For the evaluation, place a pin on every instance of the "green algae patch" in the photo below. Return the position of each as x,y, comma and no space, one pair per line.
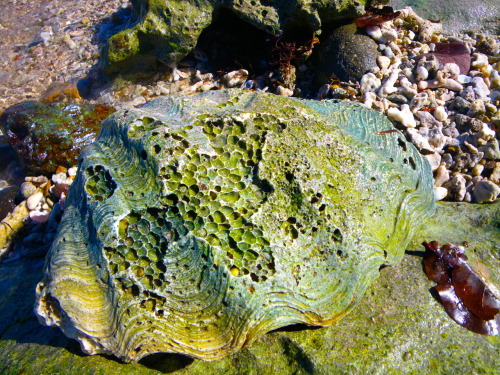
196,224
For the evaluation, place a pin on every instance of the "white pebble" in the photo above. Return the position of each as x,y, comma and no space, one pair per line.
404,116
481,60
480,88
440,113
407,88
383,62
434,160
495,79
236,77
463,79
33,201
39,217
283,91
387,87
61,178
490,108
369,98
448,83
450,70
486,133
374,32
72,171
442,175
440,193
369,83
390,35
395,48
421,73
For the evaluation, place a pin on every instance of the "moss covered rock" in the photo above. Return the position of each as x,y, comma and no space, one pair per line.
169,29
197,224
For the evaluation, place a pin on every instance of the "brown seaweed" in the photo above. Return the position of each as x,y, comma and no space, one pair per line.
376,16
462,292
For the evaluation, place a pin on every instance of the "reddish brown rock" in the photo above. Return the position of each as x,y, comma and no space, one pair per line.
45,136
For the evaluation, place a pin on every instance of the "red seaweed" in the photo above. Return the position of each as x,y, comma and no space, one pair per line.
462,292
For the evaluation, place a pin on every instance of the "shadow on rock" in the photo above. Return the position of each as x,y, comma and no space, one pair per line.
18,279
166,362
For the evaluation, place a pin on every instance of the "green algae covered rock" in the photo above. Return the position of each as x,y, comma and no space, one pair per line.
197,224
169,29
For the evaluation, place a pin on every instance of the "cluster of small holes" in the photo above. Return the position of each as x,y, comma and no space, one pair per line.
216,195
410,160
99,185
144,240
137,129
139,263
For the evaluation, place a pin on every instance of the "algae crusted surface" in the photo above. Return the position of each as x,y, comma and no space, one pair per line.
398,328
197,224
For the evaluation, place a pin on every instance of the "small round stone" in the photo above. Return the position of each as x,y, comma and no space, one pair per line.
27,190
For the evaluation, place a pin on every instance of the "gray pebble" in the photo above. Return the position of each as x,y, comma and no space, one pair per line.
428,120
456,188
491,150
460,105
447,159
485,191
451,131
480,89
398,99
468,94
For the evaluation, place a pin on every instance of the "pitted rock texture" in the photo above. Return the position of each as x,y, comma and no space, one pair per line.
197,224
169,29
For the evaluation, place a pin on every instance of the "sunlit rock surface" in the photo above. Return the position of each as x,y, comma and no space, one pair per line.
197,224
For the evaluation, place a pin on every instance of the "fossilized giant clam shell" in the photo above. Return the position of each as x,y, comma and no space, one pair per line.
197,224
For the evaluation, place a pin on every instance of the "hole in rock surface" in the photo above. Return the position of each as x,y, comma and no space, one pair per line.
166,362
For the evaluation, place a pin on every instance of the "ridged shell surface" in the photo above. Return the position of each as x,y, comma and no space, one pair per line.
197,224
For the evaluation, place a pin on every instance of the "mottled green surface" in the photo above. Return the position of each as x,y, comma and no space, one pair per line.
45,136
196,224
398,328
169,29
